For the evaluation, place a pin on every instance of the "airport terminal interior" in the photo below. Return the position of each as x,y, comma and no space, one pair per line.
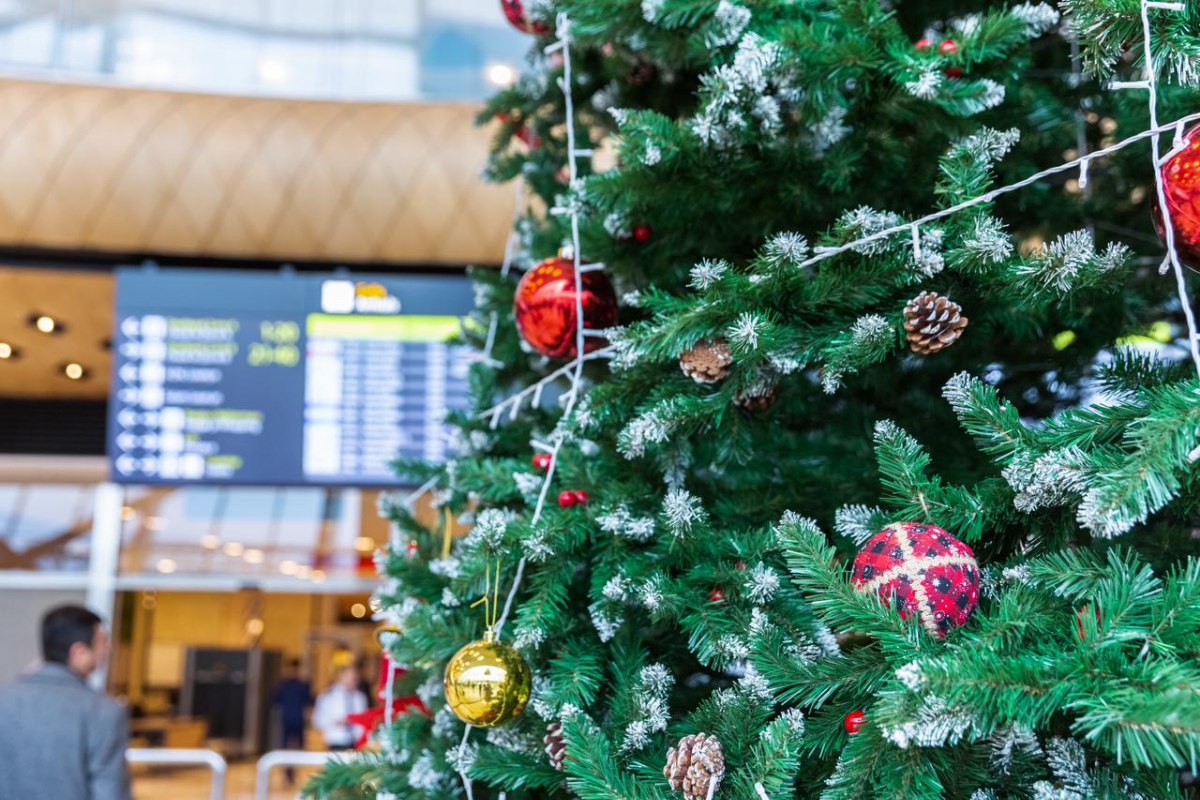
329,140
599,400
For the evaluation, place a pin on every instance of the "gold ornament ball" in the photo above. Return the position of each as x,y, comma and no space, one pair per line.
487,683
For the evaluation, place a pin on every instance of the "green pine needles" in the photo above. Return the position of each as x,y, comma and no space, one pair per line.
704,586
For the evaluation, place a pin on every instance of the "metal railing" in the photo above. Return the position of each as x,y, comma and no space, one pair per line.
284,758
184,757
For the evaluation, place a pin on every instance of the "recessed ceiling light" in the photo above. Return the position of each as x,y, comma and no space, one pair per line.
45,324
166,566
358,611
253,555
8,351
74,371
234,549
364,544
210,541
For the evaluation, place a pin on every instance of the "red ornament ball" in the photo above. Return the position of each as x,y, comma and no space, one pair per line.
581,497
854,722
643,234
514,12
954,72
923,44
717,595
545,307
920,569
1181,185
541,461
948,47
567,498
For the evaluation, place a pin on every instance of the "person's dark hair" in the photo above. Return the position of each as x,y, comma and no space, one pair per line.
62,627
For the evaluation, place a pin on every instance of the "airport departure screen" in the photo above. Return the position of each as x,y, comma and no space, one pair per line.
222,376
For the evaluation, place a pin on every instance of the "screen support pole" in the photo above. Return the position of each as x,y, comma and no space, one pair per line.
102,564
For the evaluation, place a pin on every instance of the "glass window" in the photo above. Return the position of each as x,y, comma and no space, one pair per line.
45,527
333,49
278,533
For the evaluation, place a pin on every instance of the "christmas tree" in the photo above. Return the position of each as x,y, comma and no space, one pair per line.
879,482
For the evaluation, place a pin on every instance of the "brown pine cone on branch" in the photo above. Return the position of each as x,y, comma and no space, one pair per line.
696,765
642,73
933,323
556,745
707,362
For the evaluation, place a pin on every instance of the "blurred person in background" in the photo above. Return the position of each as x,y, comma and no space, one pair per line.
59,740
293,696
341,699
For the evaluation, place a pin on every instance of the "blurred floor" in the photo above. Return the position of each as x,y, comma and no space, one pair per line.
195,783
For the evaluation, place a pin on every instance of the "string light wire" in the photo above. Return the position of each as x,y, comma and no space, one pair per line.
575,367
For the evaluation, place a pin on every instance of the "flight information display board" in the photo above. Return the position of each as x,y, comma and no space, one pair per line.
229,377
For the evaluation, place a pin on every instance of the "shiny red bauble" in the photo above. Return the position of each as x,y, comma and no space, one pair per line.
1181,185
514,12
643,234
567,499
541,461
920,569
854,722
545,307
581,497
923,44
954,72
948,47
717,595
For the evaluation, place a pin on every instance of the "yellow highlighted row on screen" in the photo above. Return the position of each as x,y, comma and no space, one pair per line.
389,328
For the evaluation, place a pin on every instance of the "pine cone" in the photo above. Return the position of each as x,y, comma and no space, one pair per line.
757,398
695,763
556,745
642,73
707,362
933,323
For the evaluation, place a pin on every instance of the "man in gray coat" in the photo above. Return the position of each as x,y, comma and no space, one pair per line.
59,740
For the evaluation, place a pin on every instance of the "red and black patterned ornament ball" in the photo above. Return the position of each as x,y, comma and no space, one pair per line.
514,12
1181,185
920,569
545,307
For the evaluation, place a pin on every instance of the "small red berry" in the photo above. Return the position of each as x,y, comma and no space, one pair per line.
413,547
854,722
567,498
954,72
923,44
948,47
741,565
643,234
541,461
717,595
581,497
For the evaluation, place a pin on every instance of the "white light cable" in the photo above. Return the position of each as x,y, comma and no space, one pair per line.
575,368
822,253
510,248
1157,163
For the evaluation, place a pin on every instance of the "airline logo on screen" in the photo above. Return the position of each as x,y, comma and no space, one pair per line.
362,297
